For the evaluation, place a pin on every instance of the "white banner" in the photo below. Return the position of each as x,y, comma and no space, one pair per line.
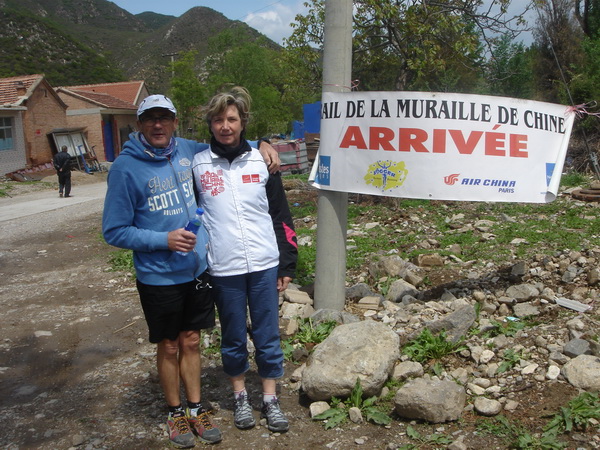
442,146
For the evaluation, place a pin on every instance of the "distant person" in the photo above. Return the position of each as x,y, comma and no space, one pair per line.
62,164
149,200
252,253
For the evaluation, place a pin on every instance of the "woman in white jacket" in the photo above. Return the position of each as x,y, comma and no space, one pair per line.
252,252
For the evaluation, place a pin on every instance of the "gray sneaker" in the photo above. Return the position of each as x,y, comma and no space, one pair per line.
203,427
180,433
242,413
276,420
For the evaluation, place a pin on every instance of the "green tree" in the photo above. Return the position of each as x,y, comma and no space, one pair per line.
558,43
187,93
588,15
509,70
256,66
413,44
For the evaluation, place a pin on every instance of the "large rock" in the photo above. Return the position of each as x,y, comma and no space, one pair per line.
582,372
433,400
341,317
522,292
367,350
398,289
456,324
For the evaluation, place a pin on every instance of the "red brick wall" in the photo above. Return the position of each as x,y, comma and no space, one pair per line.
44,114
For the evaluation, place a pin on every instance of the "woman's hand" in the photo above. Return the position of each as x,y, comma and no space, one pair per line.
282,283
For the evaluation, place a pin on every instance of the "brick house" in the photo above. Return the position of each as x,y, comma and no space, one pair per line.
106,111
29,110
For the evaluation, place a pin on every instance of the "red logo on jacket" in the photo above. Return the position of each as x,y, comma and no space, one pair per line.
212,182
254,178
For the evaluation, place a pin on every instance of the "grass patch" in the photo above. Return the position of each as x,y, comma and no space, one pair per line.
339,412
308,335
574,179
5,189
406,223
577,415
435,439
8,186
510,358
427,346
121,261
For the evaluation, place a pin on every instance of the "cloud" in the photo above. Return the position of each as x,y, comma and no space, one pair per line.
275,22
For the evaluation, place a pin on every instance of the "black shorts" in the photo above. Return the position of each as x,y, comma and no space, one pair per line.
169,310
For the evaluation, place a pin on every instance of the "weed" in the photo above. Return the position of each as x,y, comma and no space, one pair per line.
338,413
510,359
121,261
314,333
437,369
573,179
305,267
384,286
518,436
547,228
431,439
576,415
4,190
498,426
288,347
527,441
426,346
308,333
212,345
507,328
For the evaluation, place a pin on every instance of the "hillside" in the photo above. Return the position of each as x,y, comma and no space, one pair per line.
91,41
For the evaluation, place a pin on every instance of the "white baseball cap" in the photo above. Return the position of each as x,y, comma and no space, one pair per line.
156,101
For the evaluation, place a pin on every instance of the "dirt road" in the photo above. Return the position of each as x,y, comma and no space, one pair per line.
76,369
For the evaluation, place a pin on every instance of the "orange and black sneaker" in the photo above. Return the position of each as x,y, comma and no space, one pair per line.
203,427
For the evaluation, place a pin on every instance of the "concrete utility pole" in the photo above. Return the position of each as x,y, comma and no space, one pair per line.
332,215
172,55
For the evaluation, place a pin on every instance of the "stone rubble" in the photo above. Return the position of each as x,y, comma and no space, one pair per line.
557,343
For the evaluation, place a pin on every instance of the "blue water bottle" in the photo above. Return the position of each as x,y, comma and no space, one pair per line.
194,225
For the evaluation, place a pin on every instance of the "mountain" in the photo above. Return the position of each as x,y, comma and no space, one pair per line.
92,41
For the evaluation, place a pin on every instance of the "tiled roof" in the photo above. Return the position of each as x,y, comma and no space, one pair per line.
9,96
127,91
100,99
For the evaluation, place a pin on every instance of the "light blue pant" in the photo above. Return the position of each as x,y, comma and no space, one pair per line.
257,293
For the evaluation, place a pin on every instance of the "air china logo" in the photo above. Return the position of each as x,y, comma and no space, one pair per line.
451,179
253,178
212,182
386,175
503,186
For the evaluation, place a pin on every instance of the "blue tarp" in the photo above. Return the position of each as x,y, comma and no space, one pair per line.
297,129
312,117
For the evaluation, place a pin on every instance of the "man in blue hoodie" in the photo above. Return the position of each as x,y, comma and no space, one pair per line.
149,201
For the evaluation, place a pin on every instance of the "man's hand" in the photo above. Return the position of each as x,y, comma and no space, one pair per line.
271,156
282,283
181,240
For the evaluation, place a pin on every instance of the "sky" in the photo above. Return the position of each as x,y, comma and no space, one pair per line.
271,18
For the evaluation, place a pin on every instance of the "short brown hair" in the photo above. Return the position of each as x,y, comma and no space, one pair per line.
237,96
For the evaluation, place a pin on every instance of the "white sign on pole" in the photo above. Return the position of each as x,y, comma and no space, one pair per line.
442,146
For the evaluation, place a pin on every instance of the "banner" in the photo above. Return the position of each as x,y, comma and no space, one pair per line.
442,146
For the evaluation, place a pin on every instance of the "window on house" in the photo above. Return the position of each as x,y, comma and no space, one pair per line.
6,133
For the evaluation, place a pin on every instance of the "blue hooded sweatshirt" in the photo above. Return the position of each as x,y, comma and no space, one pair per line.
148,196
